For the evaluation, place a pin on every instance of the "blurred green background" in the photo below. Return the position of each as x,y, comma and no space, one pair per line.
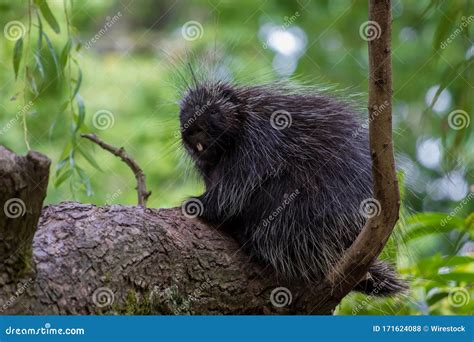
109,67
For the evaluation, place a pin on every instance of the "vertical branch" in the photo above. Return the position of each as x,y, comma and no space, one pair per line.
370,242
23,184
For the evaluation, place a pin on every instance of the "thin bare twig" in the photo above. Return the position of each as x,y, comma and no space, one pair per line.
143,194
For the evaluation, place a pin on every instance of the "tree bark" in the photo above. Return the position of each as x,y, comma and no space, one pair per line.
23,184
120,259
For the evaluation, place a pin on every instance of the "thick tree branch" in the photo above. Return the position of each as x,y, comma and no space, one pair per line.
122,259
143,194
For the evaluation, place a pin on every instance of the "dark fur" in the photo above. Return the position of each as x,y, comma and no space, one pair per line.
290,196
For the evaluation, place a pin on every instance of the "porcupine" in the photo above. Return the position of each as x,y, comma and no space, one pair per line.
286,170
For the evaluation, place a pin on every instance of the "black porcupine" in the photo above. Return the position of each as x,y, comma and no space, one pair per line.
287,171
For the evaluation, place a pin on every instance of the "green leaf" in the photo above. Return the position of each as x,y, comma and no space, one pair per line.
39,64
467,277
52,52
89,158
17,53
81,112
48,15
436,298
79,79
40,32
85,180
423,224
65,175
65,53
449,74
31,82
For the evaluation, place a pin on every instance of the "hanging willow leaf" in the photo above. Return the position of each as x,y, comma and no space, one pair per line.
81,112
17,53
39,64
31,82
40,32
79,79
48,15
52,52
89,158
65,53
65,175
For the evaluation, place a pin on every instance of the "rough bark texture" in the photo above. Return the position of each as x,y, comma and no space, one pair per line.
23,184
120,259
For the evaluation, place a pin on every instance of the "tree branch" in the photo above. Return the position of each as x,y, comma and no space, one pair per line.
143,194
23,184
359,257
